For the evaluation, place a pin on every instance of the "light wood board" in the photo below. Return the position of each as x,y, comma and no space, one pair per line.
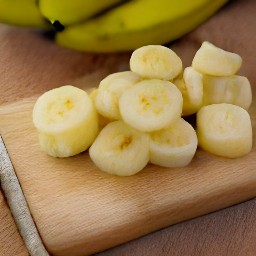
80,210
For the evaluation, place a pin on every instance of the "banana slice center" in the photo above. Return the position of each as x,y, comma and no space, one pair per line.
153,102
225,122
59,110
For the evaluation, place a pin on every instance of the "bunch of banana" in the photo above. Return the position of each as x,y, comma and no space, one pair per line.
110,25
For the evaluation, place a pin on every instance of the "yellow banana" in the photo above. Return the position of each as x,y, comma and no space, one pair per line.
69,12
21,13
137,23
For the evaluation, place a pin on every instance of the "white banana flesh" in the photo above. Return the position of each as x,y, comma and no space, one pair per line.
151,105
224,130
174,146
212,60
120,149
190,84
110,90
156,61
66,120
194,85
232,89
103,121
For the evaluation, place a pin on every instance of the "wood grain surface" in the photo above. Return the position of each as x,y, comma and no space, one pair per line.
80,210
27,71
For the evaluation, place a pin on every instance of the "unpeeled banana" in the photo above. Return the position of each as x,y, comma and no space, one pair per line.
111,25
22,13
138,23
70,12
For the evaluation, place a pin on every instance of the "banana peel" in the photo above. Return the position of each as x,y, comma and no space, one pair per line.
110,25
23,13
138,23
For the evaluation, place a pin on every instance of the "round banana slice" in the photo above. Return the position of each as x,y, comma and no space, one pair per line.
109,91
224,130
174,146
156,61
232,89
66,120
194,85
211,60
120,149
190,85
103,121
151,105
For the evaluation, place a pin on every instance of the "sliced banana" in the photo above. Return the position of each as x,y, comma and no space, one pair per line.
224,130
174,146
103,121
156,61
232,89
109,91
151,105
211,60
194,84
120,149
190,85
66,120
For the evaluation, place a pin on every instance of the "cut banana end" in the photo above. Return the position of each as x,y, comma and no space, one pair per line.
109,91
120,149
156,62
151,105
191,88
224,130
211,60
233,89
66,120
174,146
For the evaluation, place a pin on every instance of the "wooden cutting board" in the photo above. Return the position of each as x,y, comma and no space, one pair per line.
80,210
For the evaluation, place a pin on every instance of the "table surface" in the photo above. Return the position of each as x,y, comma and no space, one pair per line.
230,231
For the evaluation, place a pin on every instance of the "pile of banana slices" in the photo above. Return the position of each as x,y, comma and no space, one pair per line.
136,117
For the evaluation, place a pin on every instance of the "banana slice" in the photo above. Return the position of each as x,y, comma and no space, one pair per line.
224,130
190,85
211,60
103,121
194,85
174,146
109,91
233,89
66,120
120,149
151,105
156,61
